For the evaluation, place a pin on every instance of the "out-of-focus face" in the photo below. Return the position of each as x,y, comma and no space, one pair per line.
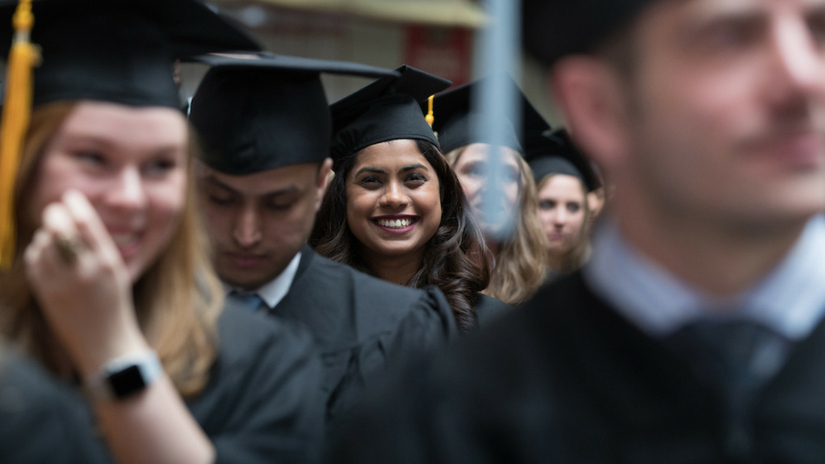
470,168
562,212
726,120
131,163
258,222
393,200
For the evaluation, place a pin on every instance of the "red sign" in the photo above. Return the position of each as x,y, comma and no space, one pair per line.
445,52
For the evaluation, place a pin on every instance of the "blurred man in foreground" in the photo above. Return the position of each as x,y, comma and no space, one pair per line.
694,334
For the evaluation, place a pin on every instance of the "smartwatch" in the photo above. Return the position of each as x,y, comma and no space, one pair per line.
124,376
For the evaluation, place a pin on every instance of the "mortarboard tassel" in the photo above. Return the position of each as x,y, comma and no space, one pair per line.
16,114
430,118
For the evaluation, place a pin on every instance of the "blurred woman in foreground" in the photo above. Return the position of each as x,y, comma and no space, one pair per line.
110,285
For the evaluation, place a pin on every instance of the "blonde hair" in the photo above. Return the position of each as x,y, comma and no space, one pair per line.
520,264
574,258
177,300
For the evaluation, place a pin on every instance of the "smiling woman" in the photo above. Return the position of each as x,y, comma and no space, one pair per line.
110,287
395,208
394,205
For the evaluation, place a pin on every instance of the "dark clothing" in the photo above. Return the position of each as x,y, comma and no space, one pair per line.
43,419
361,324
261,403
567,380
489,309
259,406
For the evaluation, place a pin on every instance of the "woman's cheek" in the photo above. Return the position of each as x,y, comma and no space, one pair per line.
512,194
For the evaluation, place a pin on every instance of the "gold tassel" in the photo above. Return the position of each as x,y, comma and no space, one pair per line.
430,117
24,56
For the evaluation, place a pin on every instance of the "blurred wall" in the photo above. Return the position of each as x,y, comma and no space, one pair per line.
446,51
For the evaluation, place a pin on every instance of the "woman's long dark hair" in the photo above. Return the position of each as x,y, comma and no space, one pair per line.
456,260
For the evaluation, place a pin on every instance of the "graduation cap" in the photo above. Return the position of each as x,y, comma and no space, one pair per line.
262,111
387,109
555,28
555,153
456,122
119,51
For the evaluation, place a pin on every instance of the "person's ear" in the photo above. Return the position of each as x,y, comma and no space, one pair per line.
322,181
590,93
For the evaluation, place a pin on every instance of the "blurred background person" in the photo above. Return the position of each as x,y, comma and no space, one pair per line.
565,181
110,283
395,209
519,266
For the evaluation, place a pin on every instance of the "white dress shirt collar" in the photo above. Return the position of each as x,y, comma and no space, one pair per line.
790,299
276,289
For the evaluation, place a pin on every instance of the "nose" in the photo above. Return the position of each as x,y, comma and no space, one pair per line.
560,216
247,228
128,191
798,59
394,197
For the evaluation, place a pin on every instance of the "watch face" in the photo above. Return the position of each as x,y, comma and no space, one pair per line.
127,381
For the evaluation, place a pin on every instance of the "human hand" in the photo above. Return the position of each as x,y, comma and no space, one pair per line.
82,285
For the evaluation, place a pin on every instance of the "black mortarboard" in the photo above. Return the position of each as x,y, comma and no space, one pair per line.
262,111
555,153
554,28
119,51
456,121
387,109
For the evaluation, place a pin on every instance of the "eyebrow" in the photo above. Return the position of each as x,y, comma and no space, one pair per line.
381,171
412,167
106,142
368,169
292,189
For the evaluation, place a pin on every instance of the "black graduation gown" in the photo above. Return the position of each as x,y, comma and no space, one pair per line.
361,324
262,403
43,419
567,380
488,309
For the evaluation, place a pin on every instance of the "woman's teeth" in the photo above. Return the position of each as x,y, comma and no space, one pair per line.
395,223
124,240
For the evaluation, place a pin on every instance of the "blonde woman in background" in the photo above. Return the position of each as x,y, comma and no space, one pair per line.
519,264
565,183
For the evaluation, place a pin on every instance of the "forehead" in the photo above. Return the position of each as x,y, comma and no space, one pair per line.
390,155
480,152
562,184
722,6
688,11
124,126
296,176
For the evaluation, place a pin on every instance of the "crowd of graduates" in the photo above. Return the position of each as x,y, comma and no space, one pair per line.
261,275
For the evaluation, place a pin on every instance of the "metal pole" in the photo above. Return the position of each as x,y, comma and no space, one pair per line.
498,54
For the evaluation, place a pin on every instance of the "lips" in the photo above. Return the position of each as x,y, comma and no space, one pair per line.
244,260
397,224
556,236
127,243
793,149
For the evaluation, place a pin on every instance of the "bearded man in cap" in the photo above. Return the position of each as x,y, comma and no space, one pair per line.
695,334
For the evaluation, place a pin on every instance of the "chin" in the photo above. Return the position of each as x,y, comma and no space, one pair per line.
244,284
136,270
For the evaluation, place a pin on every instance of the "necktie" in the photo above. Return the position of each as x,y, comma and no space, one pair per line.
736,359
250,301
